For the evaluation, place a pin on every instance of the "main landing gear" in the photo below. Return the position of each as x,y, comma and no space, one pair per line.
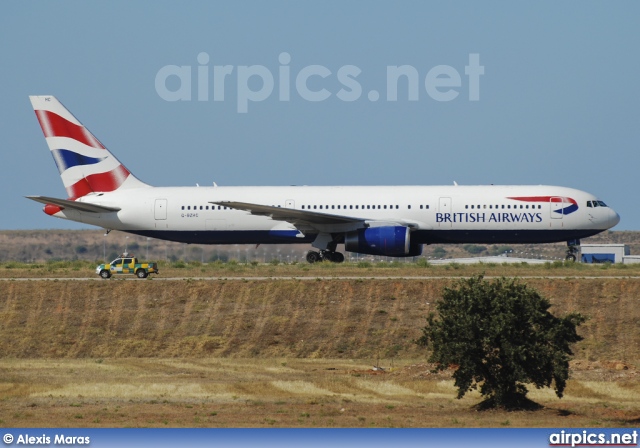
315,257
326,245
573,247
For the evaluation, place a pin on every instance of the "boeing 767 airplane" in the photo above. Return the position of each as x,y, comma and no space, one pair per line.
392,221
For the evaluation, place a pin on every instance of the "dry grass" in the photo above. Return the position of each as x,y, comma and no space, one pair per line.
350,319
289,353
243,392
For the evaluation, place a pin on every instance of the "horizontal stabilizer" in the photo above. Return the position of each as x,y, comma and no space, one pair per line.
73,205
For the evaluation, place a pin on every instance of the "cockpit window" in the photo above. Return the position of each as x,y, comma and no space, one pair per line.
589,204
601,204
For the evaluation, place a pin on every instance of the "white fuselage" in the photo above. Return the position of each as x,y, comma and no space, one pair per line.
435,214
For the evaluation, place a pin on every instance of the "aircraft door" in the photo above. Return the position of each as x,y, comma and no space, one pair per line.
161,209
557,205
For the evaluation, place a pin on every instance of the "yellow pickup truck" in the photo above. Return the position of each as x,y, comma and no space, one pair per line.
127,264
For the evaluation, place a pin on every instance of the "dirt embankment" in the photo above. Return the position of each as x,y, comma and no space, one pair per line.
278,318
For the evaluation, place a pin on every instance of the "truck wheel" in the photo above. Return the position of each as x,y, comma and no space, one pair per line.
105,274
141,273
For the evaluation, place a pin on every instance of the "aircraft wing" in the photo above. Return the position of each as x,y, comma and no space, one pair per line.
293,216
73,205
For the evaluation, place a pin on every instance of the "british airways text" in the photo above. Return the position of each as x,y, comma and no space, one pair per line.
488,217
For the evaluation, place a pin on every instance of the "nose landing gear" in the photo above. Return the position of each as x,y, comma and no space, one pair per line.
573,246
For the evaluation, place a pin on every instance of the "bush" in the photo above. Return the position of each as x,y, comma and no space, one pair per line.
474,249
439,252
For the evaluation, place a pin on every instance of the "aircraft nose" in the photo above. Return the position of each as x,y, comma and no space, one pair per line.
614,218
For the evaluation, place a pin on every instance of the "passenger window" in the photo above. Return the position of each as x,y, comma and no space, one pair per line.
409,207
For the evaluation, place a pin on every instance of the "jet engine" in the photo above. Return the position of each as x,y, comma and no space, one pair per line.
389,241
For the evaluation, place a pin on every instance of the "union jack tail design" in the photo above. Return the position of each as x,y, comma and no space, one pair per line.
85,165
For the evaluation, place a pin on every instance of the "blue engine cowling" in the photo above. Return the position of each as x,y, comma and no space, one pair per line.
392,241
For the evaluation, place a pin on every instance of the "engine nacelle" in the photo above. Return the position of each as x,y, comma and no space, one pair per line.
390,241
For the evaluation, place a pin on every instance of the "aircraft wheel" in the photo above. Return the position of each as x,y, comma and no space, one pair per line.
570,257
105,274
313,257
338,257
141,273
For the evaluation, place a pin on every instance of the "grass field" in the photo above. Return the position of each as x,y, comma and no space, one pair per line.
285,393
284,352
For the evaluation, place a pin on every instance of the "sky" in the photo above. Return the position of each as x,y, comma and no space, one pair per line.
496,93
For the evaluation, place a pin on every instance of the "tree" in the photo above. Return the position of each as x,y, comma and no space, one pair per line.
500,335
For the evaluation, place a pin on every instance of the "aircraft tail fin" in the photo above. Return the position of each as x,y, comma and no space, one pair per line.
84,163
